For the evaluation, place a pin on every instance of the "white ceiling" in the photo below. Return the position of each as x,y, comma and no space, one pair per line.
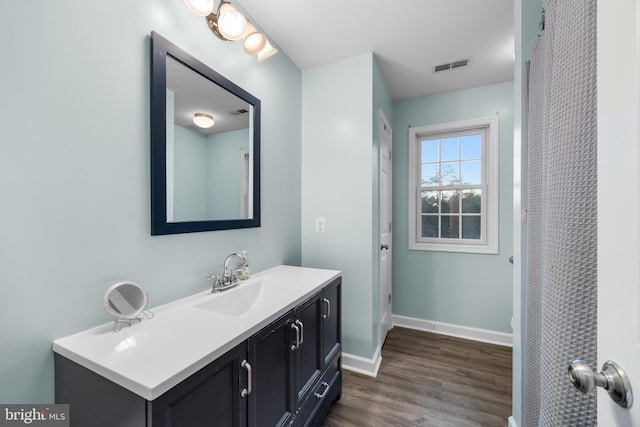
408,38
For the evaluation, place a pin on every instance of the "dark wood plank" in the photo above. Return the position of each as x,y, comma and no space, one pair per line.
428,379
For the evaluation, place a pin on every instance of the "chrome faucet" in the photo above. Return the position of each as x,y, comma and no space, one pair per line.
229,277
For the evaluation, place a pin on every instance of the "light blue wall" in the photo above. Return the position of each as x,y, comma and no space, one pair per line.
190,175
461,289
207,174
74,172
337,159
224,154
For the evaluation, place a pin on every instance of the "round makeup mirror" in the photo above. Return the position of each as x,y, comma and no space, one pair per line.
124,301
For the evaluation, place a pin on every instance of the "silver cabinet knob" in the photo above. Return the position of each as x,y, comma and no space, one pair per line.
612,378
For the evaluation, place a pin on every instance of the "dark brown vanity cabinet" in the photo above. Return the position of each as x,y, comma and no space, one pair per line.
286,374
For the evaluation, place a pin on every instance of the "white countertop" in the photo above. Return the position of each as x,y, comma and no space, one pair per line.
151,357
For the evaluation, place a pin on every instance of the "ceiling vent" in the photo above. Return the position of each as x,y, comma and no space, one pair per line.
452,65
238,112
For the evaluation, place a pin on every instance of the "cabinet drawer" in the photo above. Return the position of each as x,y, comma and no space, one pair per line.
322,396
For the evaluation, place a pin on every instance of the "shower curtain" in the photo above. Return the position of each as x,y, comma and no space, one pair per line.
561,290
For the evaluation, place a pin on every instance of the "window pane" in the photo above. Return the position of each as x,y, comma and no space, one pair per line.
450,148
430,226
471,145
451,202
471,172
472,201
471,227
429,202
451,173
431,174
429,151
449,228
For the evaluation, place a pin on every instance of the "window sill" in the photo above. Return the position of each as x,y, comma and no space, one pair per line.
455,247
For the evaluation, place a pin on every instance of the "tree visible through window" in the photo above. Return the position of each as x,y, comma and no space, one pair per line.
452,173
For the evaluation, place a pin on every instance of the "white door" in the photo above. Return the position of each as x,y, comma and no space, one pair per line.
619,201
385,227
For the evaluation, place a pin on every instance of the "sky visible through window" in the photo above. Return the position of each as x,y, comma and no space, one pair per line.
451,161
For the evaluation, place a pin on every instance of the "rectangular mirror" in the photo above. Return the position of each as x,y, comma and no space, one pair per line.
203,177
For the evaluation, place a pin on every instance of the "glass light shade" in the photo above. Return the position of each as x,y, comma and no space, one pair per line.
203,120
267,51
254,41
200,7
231,23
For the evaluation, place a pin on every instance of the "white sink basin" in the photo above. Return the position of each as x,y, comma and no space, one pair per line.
236,301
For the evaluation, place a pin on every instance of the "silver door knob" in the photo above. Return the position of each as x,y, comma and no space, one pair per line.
612,378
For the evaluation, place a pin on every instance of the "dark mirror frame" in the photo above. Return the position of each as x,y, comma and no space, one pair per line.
160,48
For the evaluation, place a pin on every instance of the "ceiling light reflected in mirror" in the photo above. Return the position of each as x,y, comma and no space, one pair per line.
203,120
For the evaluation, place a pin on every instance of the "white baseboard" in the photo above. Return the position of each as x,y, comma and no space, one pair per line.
362,365
512,422
466,332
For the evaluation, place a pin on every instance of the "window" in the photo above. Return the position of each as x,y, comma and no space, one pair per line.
453,174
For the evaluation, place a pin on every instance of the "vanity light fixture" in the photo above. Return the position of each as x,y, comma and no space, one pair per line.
203,120
230,25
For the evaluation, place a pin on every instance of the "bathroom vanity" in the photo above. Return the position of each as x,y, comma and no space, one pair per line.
266,353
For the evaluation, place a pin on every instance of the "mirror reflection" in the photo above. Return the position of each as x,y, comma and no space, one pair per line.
205,146
208,149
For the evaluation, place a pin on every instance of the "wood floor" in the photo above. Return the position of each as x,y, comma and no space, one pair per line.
428,379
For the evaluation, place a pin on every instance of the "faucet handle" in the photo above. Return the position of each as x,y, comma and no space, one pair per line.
231,277
216,280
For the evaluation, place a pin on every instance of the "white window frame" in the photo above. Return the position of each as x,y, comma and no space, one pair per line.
488,243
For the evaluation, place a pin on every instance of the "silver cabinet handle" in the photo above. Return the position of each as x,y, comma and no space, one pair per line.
297,344
612,378
328,303
299,323
247,391
326,388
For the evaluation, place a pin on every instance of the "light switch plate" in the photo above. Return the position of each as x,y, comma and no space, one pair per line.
320,226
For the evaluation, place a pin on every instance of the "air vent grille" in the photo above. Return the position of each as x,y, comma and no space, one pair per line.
451,65
442,67
238,112
460,63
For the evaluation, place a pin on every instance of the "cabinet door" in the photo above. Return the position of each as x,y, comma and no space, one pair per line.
331,313
308,355
271,357
210,397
